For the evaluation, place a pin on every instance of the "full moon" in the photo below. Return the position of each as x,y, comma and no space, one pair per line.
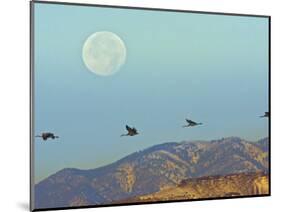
104,53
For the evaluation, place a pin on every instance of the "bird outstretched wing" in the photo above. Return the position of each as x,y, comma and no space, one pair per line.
190,121
128,128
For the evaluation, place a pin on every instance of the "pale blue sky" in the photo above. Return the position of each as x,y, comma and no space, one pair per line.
210,68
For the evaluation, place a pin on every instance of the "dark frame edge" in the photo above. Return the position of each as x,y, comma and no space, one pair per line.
149,8
153,202
269,103
31,105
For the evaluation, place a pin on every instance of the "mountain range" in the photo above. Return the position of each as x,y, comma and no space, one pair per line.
155,169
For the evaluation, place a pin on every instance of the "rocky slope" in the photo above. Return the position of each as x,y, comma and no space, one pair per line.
151,170
212,187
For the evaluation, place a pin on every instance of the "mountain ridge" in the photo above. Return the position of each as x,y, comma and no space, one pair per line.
151,170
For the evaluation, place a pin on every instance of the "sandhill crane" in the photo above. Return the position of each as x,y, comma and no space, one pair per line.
191,123
46,135
266,115
131,131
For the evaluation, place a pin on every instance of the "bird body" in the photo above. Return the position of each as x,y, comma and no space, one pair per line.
46,135
131,131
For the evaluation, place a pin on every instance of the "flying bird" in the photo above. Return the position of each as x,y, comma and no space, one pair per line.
131,131
191,123
266,115
46,135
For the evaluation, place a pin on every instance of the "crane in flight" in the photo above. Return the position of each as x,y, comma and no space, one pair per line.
131,131
46,135
266,115
191,123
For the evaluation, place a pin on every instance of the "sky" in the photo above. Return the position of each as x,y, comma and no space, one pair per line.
209,68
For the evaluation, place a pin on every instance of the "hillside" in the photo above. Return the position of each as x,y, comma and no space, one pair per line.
243,184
